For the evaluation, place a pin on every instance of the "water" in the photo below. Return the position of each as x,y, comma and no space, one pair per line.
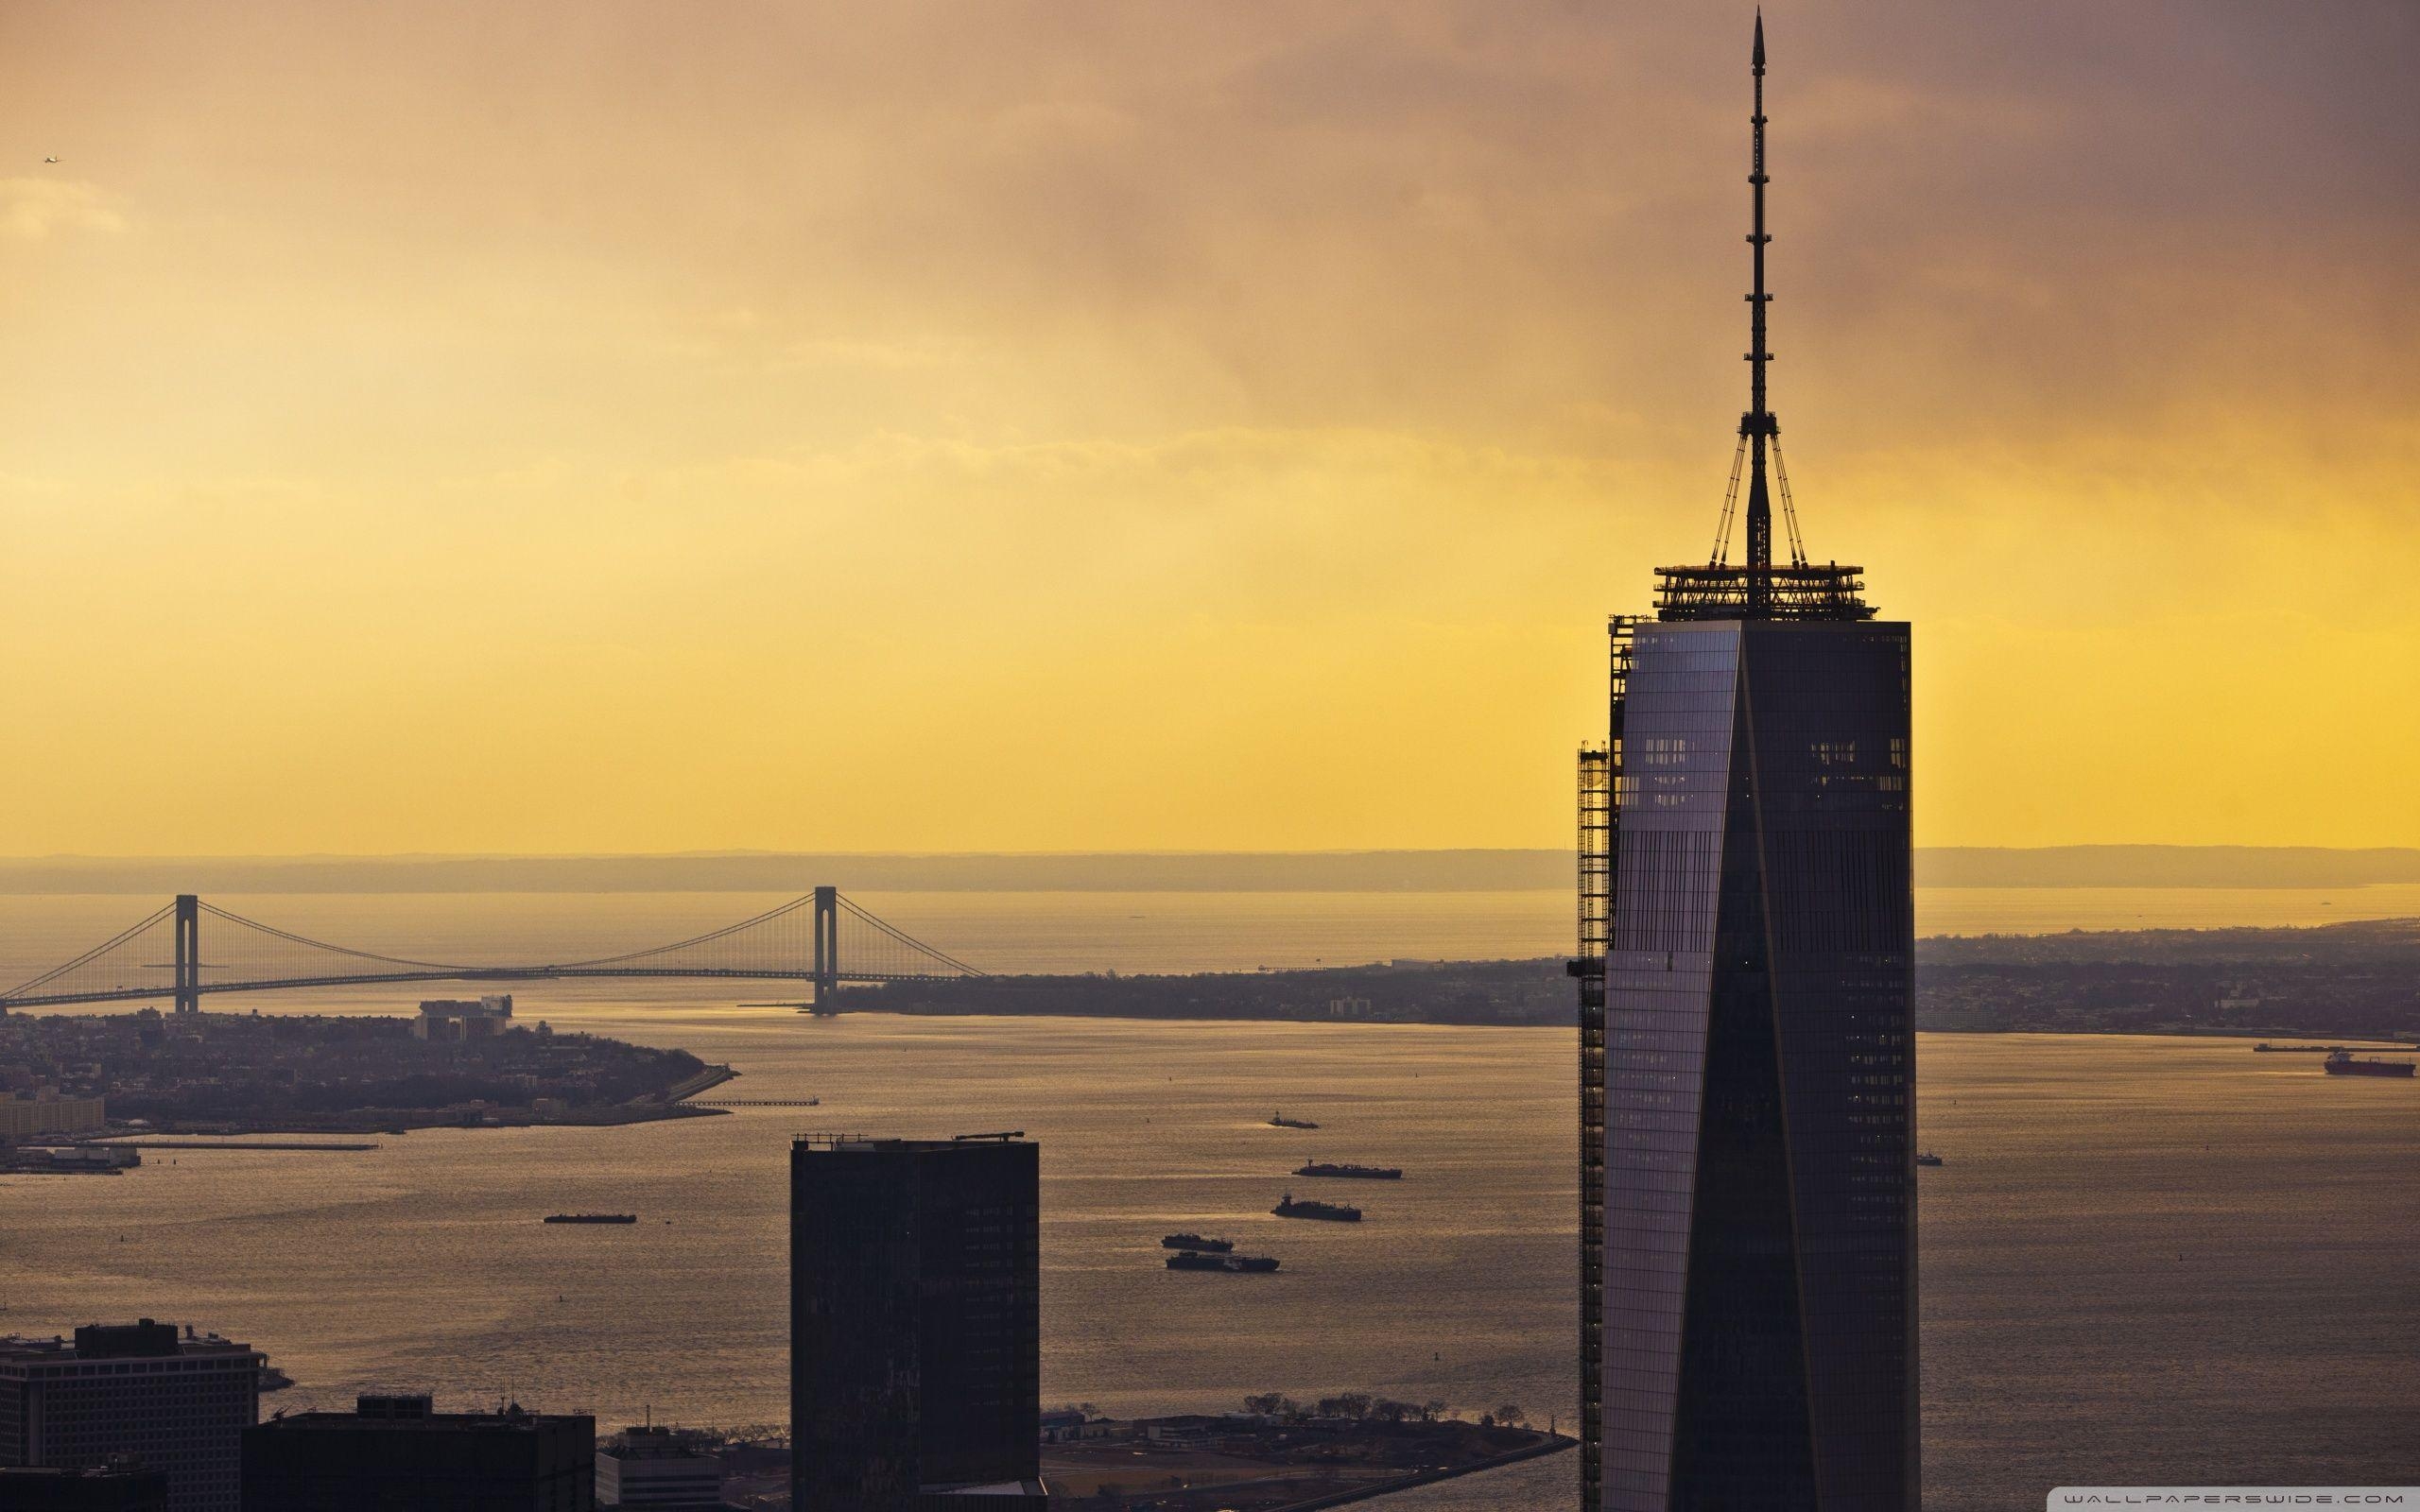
2147,1261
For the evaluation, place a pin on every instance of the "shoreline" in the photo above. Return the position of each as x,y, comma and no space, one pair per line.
2336,1038
1554,1444
2338,982
141,1075
1295,1462
176,1138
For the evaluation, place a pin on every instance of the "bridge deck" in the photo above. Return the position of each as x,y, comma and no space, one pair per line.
801,940
495,974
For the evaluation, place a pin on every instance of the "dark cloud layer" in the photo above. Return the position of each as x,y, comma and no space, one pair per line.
1368,317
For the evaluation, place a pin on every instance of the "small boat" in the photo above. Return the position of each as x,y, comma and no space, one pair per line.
2344,1063
591,1217
1294,1207
1927,1158
1230,1264
1281,1120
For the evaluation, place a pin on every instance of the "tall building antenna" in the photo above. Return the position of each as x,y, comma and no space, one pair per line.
1757,588
1758,427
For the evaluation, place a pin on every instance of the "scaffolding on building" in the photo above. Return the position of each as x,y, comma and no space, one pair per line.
1807,591
1601,772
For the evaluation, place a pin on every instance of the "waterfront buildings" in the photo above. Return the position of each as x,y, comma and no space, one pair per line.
66,1160
49,1112
1748,1195
915,1324
178,1403
447,1020
658,1468
397,1454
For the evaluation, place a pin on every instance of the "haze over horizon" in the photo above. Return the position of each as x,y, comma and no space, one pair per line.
2170,867
605,428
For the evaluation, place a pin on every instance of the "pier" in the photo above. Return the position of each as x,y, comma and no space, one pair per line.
321,1147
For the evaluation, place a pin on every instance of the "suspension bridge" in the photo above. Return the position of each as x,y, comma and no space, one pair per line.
820,939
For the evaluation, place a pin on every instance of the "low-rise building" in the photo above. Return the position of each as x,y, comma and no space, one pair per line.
658,1468
397,1454
49,1112
38,1161
120,1488
1058,1426
453,1019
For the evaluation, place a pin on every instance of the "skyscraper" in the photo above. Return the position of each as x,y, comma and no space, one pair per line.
915,1324
180,1405
1747,1060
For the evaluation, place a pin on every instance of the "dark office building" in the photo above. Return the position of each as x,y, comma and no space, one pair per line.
1747,939
399,1454
915,1324
124,1487
178,1402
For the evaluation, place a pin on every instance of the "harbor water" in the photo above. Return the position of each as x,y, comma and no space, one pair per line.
2145,1261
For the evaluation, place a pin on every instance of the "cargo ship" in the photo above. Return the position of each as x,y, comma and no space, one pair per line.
1212,1246
1232,1265
1357,1173
1308,1207
2340,1063
1281,1120
591,1217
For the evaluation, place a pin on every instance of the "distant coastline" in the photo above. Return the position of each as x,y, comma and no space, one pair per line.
2348,981
217,1073
1366,871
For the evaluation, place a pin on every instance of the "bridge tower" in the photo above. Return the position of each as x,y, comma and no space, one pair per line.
188,953
827,950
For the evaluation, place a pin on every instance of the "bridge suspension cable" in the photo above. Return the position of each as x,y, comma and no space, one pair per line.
802,939
712,936
97,966
290,938
914,946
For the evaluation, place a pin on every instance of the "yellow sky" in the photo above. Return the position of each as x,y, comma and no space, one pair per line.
1110,425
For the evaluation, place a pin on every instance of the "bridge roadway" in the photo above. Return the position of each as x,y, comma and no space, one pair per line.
467,974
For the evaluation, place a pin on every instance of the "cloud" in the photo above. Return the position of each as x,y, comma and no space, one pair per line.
1300,379
839,351
31,208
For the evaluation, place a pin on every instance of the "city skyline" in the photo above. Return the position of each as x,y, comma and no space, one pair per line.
449,430
652,646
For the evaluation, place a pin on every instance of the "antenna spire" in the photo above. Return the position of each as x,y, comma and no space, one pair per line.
1757,590
1758,427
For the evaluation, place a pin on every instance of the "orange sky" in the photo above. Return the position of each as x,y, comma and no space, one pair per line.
1110,425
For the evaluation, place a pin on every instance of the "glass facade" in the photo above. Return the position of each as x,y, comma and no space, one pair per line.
1759,1348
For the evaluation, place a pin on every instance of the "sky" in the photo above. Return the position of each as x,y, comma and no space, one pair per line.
1087,425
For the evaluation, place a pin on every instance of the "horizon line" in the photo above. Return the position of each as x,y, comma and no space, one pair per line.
57,857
